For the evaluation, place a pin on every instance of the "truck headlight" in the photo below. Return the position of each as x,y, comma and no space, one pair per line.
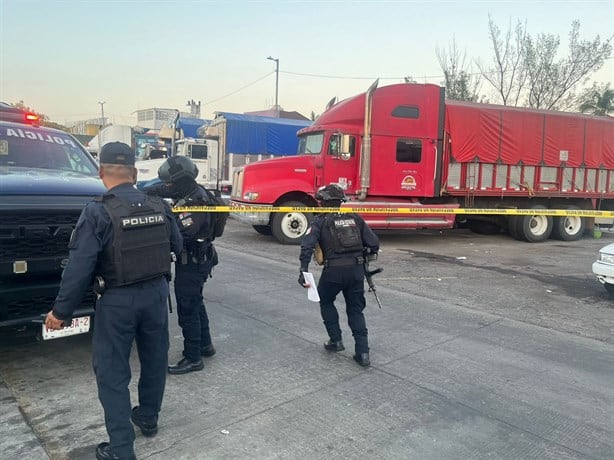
251,196
607,258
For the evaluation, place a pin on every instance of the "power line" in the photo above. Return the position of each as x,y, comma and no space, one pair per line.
240,89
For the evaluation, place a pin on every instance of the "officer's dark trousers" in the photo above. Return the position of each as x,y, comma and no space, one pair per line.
350,281
193,319
136,312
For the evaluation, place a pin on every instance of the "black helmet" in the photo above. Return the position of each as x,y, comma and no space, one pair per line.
177,168
331,192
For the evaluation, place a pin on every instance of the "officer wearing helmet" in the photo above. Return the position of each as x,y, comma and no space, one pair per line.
122,241
178,173
344,239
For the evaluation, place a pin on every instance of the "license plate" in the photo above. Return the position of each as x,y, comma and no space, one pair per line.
79,325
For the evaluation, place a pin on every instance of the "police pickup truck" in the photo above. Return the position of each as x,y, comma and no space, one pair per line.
46,178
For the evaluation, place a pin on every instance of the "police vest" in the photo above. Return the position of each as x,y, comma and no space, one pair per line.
345,233
218,218
141,242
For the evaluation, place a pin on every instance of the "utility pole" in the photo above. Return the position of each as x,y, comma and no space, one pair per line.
276,84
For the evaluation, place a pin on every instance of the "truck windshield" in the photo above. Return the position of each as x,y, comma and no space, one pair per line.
37,148
310,144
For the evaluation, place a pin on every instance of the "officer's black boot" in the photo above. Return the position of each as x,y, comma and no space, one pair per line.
149,427
362,359
185,365
207,351
104,451
334,345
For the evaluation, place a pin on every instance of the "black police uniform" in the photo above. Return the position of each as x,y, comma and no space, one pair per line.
191,272
343,272
132,311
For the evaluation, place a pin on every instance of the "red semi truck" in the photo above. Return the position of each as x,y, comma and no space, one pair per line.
405,146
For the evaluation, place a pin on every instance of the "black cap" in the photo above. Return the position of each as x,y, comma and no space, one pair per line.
116,153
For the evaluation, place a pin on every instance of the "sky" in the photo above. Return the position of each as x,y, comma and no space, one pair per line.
64,57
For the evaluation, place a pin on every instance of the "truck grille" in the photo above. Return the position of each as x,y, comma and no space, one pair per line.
35,235
28,307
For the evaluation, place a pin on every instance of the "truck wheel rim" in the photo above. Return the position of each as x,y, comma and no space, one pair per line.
294,224
573,225
538,225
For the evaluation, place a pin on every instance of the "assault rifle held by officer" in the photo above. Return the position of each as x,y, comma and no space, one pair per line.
368,257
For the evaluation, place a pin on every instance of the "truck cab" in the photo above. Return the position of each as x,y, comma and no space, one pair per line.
382,147
203,152
404,135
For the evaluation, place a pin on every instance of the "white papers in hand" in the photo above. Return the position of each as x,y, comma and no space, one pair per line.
312,291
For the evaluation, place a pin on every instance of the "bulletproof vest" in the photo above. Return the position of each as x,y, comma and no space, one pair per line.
345,233
141,243
206,197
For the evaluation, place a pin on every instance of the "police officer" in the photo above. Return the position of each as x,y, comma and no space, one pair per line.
345,239
123,240
194,267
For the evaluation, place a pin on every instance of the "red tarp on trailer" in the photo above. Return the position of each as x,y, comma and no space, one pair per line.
511,135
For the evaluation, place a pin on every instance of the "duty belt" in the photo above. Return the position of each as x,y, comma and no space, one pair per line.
344,262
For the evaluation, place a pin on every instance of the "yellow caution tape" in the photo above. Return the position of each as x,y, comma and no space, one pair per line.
407,210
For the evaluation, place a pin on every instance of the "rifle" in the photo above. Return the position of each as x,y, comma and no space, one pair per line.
369,275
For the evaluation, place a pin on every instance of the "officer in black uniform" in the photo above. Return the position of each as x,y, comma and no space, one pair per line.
194,267
345,239
123,240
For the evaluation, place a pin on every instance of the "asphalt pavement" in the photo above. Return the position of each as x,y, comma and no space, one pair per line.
446,382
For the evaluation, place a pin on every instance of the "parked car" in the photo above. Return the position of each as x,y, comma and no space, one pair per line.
603,267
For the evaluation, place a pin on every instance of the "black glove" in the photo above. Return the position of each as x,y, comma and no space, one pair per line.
301,278
163,190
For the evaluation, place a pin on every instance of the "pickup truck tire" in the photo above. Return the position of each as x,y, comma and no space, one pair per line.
610,288
568,228
289,227
534,229
263,229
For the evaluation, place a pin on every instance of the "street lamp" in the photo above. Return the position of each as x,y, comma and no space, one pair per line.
101,126
276,84
102,110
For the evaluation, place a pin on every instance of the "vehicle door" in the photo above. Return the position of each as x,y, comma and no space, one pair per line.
340,161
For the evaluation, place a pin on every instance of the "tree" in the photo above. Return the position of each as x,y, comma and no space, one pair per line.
460,83
43,119
551,83
527,72
507,74
598,100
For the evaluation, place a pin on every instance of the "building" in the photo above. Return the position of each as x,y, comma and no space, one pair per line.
88,127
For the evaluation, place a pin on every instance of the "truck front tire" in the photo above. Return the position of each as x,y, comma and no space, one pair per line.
263,229
289,227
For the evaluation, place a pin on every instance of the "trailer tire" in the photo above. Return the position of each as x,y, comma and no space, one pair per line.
512,227
534,229
263,229
289,227
568,228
